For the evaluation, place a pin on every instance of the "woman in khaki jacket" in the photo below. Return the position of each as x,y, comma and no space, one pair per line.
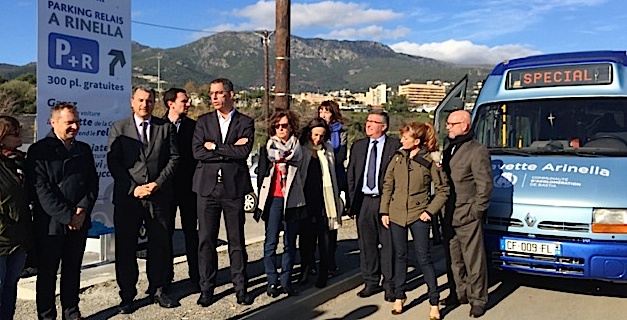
407,204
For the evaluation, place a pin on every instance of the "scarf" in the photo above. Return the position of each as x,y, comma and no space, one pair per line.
453,145
328,192
279,153
336,140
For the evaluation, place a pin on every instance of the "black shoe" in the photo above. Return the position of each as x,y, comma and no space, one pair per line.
389,296
477,311
368,291
291,292
243,298
205,299
273,291
163,300
125,307
321,282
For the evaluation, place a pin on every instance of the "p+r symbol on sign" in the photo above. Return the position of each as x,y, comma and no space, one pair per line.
73,53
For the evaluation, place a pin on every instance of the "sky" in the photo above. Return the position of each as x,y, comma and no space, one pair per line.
457,31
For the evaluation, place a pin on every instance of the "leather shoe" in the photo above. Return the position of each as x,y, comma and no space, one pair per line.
477,311
125,307
243,298
163,300
368,291
273,291
205,299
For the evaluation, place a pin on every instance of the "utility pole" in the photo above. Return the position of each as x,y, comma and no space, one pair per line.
266,67
158,75
282,56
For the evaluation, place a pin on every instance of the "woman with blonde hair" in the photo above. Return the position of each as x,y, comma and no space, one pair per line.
408,205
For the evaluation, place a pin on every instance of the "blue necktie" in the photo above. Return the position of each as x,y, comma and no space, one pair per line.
372,166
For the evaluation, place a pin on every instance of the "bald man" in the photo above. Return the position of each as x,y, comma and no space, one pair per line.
467,164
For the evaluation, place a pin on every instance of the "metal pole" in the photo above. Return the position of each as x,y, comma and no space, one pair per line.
266,64
282,58
158,76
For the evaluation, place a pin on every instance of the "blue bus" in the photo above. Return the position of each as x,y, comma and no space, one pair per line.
556,128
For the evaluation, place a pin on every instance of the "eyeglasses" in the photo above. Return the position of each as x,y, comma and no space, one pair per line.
16,133
185,101
373,121
281,125
452,123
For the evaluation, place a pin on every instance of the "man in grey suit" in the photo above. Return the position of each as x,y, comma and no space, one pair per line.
467,164
142,158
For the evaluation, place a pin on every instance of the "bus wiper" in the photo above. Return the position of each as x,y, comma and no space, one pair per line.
514,151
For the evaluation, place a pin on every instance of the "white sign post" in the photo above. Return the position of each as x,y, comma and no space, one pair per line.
84,57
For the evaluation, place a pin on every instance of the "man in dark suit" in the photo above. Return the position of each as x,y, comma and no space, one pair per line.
222,142
467,164
369,159
142,158
177,103
65,189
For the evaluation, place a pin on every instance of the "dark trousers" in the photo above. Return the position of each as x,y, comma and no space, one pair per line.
371,233
422,244
447,235
128,219
209,211
469,264
11,266
52,250
332,249
274,224
314,231
186,203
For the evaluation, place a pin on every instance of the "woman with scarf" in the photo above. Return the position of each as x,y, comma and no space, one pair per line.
329,110
408,205
324,206
15,215
281,199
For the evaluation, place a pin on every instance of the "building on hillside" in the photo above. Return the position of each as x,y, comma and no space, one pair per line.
422,94
312,98
378,95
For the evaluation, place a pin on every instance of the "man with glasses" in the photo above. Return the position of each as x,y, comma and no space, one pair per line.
177,105
467,164
222,142
368,161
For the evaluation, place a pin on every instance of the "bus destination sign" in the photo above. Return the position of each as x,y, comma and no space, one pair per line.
559,76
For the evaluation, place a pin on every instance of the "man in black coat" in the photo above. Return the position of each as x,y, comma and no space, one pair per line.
65,189
142,158
222,142
177,103
369,159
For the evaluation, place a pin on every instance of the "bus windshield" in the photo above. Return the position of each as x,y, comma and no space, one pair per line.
583,126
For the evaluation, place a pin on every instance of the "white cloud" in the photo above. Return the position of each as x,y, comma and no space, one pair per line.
373,32
464,52
325,14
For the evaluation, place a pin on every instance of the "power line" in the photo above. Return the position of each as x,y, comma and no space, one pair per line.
173,28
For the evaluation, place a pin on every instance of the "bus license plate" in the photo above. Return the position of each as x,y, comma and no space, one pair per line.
533,247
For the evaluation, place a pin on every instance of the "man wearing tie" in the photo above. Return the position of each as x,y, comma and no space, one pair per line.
142,158
222,142
369,159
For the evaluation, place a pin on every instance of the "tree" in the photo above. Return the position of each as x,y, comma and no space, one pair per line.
28,77
17,96
397,104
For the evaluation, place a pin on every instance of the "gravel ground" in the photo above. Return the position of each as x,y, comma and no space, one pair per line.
100,301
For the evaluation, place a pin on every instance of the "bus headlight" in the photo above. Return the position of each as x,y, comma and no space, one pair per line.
609,220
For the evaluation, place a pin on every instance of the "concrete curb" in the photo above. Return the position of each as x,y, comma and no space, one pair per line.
308,299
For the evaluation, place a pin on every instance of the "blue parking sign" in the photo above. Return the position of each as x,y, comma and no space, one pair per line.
73,53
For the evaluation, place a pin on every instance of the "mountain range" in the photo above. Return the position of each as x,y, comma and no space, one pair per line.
315,64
